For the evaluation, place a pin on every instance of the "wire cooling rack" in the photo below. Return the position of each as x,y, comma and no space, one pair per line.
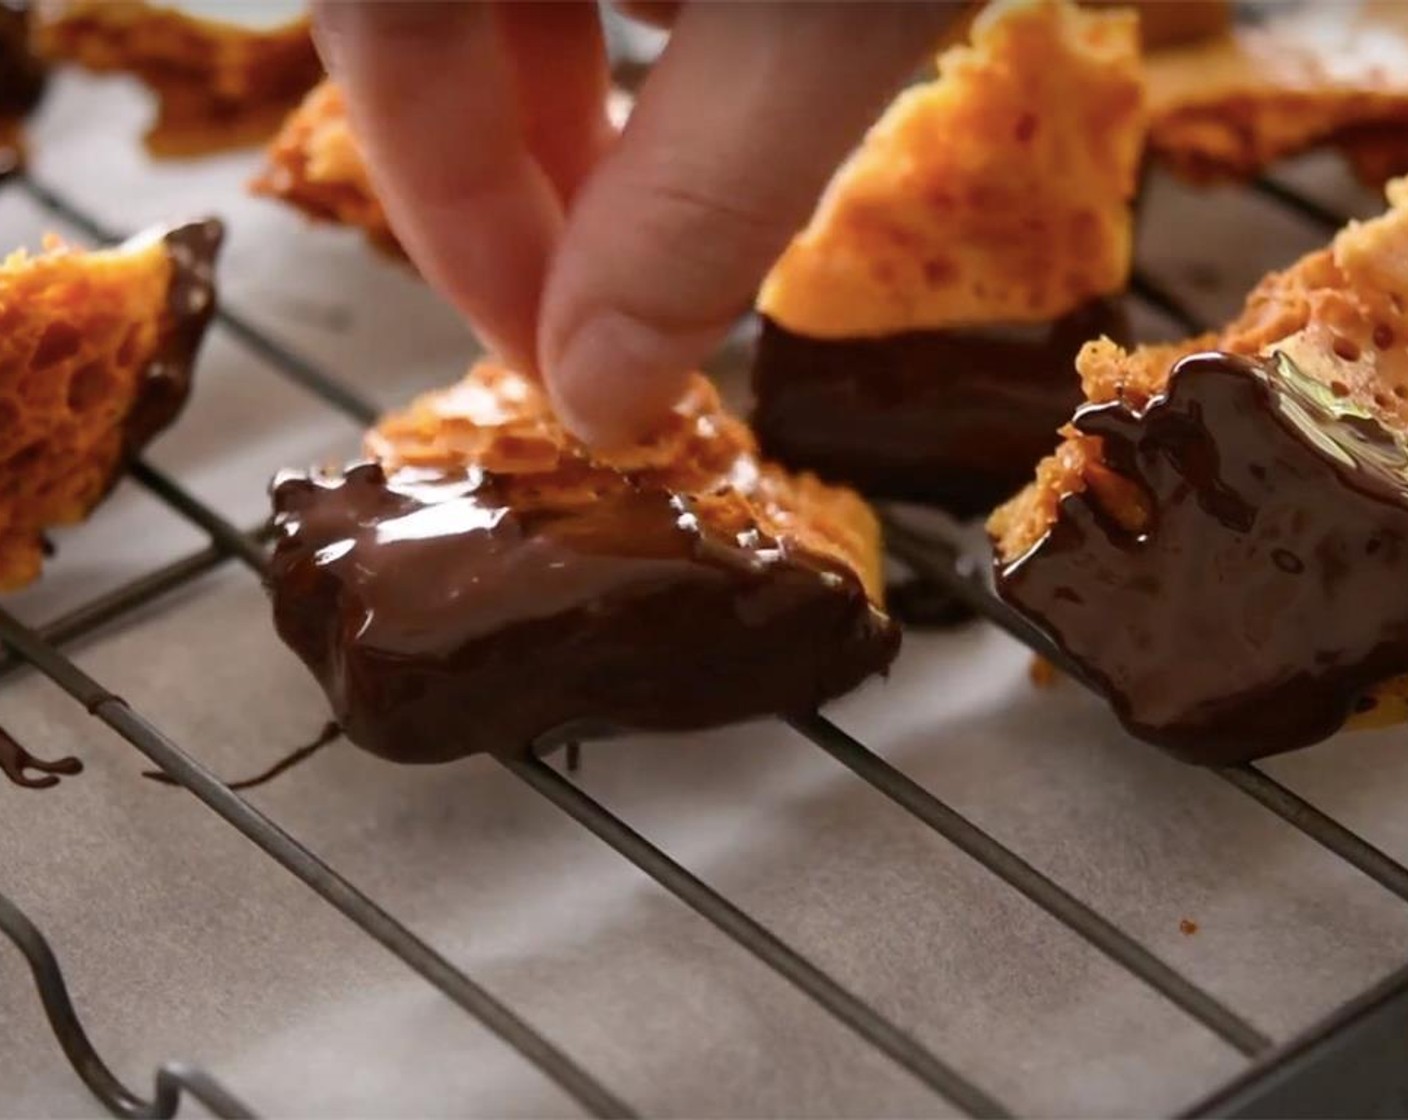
1351,1063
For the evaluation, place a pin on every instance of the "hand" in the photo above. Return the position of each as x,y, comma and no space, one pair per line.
610,265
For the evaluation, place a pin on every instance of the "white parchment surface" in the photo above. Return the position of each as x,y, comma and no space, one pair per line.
180,940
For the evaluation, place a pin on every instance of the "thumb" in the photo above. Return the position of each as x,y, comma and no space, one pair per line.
732,139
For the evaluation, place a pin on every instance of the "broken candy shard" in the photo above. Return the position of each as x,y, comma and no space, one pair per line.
315,163
1304,76
220,83
96,357
1263,592
920,333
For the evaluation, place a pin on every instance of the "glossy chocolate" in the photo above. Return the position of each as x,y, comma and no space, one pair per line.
16,762
441,622
1267,591
953,418
190,305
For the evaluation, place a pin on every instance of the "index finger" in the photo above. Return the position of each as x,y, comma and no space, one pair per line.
432,97
733,137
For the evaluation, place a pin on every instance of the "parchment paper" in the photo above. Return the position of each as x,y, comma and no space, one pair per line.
181,941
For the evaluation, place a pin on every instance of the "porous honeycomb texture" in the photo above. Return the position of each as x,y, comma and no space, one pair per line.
998,192
78,331
316,165
501,421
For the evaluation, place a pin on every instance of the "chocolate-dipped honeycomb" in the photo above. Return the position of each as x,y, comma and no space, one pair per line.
218,84
918,334
1307,76
953,418
96,355
1219,544
486,585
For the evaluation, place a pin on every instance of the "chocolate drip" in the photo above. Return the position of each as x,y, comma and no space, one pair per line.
190,305
15,761
953,418
1266,592
442,621
329,734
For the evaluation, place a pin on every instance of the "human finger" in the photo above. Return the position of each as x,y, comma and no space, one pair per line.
733,136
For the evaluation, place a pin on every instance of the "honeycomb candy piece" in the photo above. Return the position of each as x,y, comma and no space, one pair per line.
501,421
918,337
1213,475
1310,75
96,350
218,84
1337,310
997,193
315,165
488,585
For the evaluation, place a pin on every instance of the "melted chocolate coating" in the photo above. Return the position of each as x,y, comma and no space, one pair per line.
442,622
190,305
952,418
15,762
329,734
1266,593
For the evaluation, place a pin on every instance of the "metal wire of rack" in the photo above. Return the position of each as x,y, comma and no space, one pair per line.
946,558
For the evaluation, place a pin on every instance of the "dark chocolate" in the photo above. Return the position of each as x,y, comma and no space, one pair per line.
190,305
16,761
1265,594
952,418
23,76
441,622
